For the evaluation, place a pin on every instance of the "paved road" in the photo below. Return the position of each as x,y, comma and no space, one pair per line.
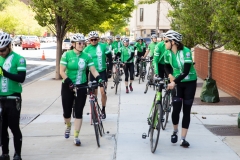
36,67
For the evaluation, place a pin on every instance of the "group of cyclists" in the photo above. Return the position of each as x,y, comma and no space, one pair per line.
87,61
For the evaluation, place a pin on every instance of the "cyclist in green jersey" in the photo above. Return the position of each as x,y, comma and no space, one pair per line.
117,44
12,74
127,54
110,48
140,46
158,59
179,58
73,70
99,53
151,47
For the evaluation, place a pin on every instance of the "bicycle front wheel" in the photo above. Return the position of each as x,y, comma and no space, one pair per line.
95,123
166,109
155,127
117,81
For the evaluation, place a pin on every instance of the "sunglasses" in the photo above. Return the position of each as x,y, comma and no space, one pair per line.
3,50
81,43
93,40
167,41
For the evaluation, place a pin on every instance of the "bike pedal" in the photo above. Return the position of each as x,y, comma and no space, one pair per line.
163,120
144,136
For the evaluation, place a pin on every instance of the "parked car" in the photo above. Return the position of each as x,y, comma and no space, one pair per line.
31,42
16,40
132,43
66,45
147,40
43,40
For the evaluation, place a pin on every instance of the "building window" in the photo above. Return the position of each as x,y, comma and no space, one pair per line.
141,14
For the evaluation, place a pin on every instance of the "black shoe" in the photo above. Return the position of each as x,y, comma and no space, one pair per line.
174,137
184,143
103,114
17,157
136,75
4,157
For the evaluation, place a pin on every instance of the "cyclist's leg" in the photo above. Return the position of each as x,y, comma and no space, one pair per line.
161,70
126,67
103,94
13,123
131,71
80,103
189,93
137,61
5,135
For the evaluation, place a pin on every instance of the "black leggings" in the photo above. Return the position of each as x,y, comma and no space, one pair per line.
129,68
161,71
68,99
184,97
138,59
11,117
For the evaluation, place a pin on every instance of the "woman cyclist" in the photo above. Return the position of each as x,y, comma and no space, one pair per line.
141,49
127,53
12,74
73,71
179,58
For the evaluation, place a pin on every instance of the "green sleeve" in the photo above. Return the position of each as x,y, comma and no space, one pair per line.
90,61
156,57
21,66
63,60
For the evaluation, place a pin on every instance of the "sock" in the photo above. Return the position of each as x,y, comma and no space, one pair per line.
68,124
103,108
182,138
76,133
175,131
126,87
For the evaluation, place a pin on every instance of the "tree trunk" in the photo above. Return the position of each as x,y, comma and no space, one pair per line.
210,52
58,57
157,19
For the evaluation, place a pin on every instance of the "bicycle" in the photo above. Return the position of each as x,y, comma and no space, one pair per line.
96,112
117,77
1,109
155,117
150,75
142,70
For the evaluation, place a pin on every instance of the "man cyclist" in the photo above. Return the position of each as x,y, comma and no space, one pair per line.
117,44
151,47
12,74
99,53
140,46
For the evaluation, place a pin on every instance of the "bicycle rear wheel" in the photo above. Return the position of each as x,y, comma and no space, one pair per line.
95,123
155,127
117,81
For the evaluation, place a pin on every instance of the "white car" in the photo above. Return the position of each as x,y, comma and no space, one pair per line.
66,45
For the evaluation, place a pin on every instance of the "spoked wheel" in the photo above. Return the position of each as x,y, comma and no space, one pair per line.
166,108
100,124
95,123
155,127
116,81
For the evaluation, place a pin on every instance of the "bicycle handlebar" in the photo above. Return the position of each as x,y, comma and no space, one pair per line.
91,85
9,97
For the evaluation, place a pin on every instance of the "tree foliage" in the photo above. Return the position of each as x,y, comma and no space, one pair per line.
3,4
61,16
15,22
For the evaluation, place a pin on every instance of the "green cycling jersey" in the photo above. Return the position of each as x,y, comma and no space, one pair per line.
76,65
151,48
177,62
98,54
158,55
126,54
116,46
140,47
12,64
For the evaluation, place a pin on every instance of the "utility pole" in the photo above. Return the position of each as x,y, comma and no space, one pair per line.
158,18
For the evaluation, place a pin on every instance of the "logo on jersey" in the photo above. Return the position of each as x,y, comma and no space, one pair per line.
22,61
188,55
81,63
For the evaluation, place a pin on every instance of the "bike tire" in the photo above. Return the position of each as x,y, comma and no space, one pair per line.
166,105
100,124
95,124
155,128
117,82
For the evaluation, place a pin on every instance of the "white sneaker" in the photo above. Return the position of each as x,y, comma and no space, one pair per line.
67,132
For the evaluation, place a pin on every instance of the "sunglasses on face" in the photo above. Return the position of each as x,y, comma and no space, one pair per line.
81,43
93,40
3,50
167,41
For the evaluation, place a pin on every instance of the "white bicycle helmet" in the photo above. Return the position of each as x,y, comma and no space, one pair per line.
118,36
139,38
173,35
5,39
93,34
77,37
154,36
109,37
125,40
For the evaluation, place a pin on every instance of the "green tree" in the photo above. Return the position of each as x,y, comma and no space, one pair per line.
61,16
3,4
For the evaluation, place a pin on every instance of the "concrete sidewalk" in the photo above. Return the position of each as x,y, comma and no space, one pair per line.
126,121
